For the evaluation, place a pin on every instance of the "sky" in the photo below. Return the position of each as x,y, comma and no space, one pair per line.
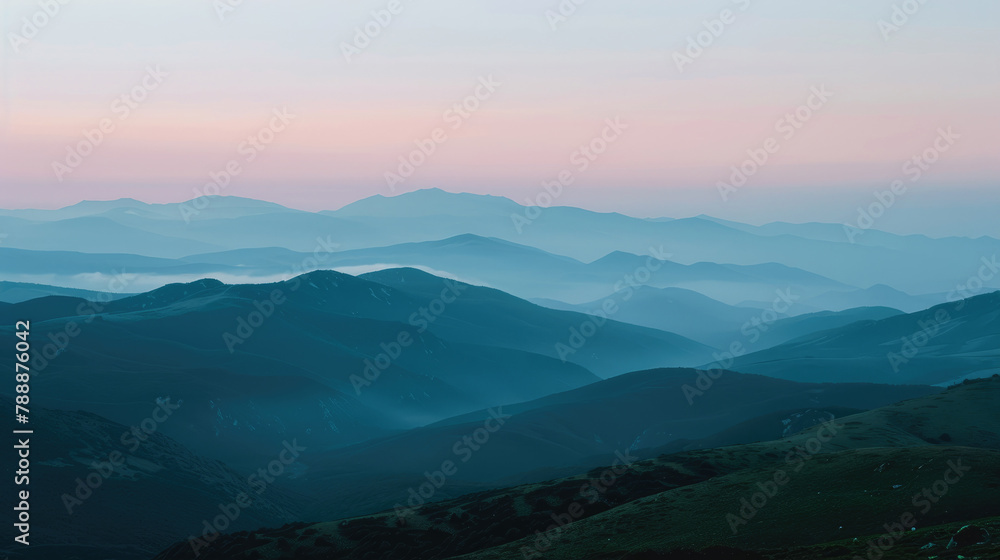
693,89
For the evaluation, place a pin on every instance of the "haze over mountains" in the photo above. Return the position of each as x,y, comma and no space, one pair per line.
915,265
667,284
942,345
438,339
513,280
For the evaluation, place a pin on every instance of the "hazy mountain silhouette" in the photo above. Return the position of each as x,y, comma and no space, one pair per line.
530,349
876,296
16,292
936,346
222,223
712,322
518,269
327,361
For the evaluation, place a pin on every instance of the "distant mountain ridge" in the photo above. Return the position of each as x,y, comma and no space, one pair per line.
224,223
519,269
17,292
521,352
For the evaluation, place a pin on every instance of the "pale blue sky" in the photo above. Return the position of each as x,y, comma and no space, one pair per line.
609,59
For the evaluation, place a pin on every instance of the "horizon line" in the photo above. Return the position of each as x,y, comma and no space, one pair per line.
703,216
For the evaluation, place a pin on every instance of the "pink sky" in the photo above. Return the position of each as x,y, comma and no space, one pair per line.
354,120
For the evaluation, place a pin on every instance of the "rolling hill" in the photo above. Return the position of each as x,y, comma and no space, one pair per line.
488,314
567,432
691,314
84,466
327,357
936,346
825,492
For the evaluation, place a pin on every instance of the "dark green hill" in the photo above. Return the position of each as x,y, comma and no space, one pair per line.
84,467
835,494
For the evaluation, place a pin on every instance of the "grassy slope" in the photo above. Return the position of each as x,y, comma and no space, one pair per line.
833,497
864,477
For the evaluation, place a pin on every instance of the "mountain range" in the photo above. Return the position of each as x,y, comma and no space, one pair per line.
442,375
227,223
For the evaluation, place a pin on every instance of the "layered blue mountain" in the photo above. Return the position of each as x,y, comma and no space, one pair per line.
912,264
16,292
717,324
941,345
335,357
521,270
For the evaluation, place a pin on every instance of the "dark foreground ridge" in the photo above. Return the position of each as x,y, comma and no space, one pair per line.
887,483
